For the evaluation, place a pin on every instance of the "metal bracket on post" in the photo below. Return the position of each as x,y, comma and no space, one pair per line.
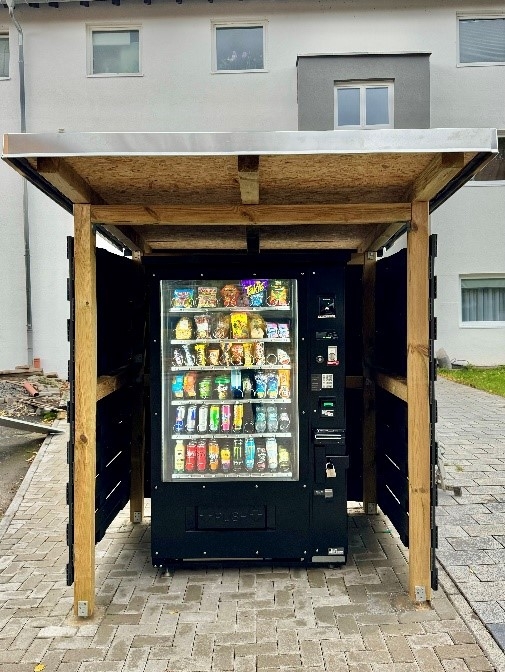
371,508
137,516
420,594
82,609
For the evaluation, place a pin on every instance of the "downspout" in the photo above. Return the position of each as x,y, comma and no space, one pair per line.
26,219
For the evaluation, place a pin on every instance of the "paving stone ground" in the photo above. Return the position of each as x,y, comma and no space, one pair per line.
357,618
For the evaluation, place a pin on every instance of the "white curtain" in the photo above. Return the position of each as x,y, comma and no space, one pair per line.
483,299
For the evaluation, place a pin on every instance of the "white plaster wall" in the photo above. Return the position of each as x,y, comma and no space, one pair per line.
471,239
177,92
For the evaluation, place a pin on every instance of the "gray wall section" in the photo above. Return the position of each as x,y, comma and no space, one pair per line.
317,75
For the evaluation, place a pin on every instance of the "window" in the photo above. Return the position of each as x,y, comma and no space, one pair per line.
495,169
4,55
113,51
483,300
482,40
239,48
363,105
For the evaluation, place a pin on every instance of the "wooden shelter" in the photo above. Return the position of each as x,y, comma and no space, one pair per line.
166,193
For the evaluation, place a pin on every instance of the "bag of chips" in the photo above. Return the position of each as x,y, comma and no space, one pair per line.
183,297
255,292
239,325
207,297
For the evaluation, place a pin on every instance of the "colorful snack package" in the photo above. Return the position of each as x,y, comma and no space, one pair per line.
259,353
225,353
260,380
284,384
239,325
178,357
273,385
190,358
190,384
283,357
237,354
213,355
222,327
184,329
230,296
283,330
178,386
207,297
278,293
200,349
183,297
202,326
272,330
255,292
248,354
257,326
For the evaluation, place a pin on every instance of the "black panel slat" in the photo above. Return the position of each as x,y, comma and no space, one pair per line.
391,309
71,410
433,245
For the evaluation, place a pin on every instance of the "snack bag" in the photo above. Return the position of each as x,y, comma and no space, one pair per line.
278,293
183,298
230,296
257,326
207,297
183,329
222,327
213,355
283,330
178,386
202,326
259,353
190,384
260,380
248,354
239,325
272,385
284,384
237,354
272,330
200,354
254,292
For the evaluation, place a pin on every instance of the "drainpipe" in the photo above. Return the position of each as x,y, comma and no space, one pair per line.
26,220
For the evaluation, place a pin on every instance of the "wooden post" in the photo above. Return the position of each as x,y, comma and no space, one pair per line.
369,459
85,411
418,403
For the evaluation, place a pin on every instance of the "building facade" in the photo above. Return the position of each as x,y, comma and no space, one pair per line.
253,65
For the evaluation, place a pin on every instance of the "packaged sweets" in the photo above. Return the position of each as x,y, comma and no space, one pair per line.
230,296
190,358
239,325
257,326
277,293
254,292
226,353
178,357
207,297
259,353
284,459
213,355
200,354
237,354
284,384
222,327
222,387
283,330
202,326
272,330
184,329
190,384
273,385
260,380
283,357
178,386
248,354
183,297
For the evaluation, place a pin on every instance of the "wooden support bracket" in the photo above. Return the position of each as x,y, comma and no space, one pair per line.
248,178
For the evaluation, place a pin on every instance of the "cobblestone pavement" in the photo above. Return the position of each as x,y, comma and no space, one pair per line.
357,618
471,432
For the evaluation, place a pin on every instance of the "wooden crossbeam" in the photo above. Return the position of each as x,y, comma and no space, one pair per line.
348,213
106,385
382,239
248,178
442,168
64,178
395,385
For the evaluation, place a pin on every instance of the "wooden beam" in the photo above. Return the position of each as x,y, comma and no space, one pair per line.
395,385
85,409
383,239
369,451
436,175
419,403
106,385
347,213
357,259
129,238
248,178
64,178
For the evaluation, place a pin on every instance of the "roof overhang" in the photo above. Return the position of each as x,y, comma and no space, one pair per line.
156,192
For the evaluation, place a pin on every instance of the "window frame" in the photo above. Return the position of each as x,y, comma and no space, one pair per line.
470,17
4,34
476,324
363,85
238,23
110,28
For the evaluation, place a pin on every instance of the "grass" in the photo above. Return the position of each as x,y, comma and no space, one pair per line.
490,379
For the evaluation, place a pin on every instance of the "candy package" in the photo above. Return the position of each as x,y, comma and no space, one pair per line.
184,329
183,298
200,354
273,385
237,354
248,354
207,297
272,330
230,296
277,293
239,325
222,327
202,326
260,381
254,292
284,384
257,326
190,384
259,353
213,355
178,386
178,357
283,330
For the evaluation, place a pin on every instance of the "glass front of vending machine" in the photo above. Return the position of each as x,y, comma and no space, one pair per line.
247,409
229,403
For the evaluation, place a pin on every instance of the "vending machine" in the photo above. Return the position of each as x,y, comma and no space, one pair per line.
247,385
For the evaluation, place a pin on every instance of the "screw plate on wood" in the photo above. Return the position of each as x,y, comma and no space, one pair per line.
137,516
371,508
82,608
420,594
